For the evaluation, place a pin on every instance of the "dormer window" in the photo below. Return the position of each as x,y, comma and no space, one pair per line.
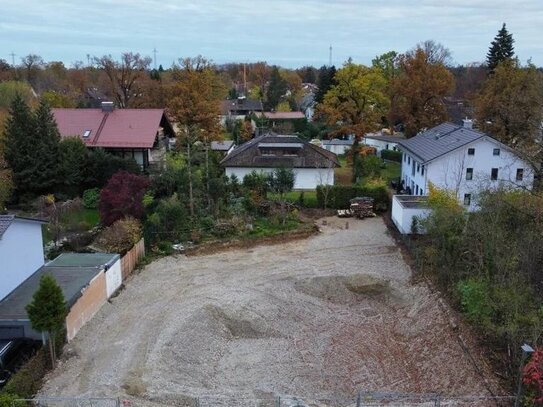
86,133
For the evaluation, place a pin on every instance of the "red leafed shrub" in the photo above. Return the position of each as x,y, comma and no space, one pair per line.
122,196
532,377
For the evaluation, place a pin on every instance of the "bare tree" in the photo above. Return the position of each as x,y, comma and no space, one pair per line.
32,64
126,76
436,53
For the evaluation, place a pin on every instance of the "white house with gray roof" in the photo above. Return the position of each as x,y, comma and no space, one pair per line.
21,250
463,160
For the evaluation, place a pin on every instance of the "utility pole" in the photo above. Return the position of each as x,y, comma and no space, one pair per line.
330,58
244,79
12,55
154,58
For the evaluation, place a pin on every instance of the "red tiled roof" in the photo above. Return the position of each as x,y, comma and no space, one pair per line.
121,128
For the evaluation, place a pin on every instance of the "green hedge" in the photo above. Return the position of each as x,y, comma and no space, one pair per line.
339,196
28,380
391,155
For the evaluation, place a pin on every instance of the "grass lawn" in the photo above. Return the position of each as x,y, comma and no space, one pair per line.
391,171
87,217
343,174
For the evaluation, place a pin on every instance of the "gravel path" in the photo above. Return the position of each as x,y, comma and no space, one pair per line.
319,318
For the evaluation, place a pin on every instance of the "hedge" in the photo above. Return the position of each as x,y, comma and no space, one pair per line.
28,380
339,196
391,155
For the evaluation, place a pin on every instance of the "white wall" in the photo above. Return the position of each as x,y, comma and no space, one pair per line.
403,217
337,149
449,171
114,278
306,178
21,254
420,177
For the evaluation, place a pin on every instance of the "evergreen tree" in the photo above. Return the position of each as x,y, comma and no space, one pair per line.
32,147
276,89
72,168
46,139
324,81
47,310
500,49
19,147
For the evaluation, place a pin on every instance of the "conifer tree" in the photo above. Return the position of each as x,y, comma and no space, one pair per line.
47,310
500,49
325,81
32,148
276,89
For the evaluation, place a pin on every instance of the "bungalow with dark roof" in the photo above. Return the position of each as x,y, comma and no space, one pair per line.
311,164
141,134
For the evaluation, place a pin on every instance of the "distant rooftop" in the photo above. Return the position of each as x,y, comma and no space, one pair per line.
337,142
224,145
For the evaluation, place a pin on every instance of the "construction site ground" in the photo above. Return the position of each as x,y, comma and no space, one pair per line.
319,319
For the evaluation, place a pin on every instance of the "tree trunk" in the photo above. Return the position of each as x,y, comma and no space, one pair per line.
51,350
191,200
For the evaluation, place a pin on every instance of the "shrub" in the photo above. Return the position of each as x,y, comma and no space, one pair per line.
122,196
121,236
170,220
475,301
91,197
339,196
27,381
391,155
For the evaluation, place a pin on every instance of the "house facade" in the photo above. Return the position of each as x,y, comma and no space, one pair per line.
238,109
463,160
311,164
141,134
21,250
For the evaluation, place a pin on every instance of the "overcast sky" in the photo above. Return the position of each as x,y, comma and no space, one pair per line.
290,33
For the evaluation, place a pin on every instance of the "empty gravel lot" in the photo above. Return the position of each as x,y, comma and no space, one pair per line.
319,318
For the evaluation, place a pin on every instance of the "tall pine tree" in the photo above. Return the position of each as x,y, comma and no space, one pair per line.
500,49
325,81
32,148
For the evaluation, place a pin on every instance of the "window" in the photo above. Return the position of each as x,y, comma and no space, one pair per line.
467,199
418,167
408,160
471,151
416,189
469,174
86,133
422,170
520,174
496,151
494,174
404,158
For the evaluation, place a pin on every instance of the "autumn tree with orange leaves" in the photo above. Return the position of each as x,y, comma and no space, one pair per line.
419,90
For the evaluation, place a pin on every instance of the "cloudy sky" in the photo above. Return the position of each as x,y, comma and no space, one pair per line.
286,32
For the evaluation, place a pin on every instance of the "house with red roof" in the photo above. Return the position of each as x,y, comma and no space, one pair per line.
142,134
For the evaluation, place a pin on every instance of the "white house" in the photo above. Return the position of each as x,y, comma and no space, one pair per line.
382,141
337,146
463,160
312,164
21,250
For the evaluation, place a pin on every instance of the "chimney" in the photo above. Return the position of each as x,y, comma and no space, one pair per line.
107,106
468,123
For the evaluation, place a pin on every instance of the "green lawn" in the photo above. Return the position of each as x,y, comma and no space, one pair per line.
309,201
79,221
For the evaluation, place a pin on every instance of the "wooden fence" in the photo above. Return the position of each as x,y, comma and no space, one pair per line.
131,258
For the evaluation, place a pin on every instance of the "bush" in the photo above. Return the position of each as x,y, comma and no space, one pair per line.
169,221
122,196
391,155
9,400
339,196
91,197
121,236
27,381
